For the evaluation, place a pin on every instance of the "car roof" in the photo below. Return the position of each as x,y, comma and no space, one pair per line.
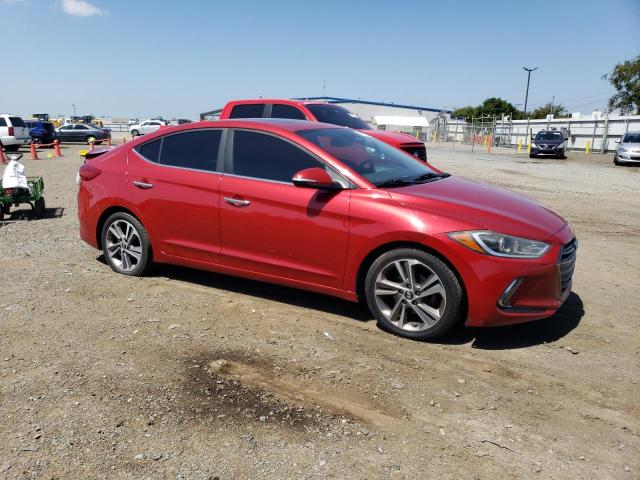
287,124
285,101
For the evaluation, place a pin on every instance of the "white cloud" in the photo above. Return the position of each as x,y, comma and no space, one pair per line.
81,8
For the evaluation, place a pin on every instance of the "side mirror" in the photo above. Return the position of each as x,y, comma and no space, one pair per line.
617,141
315,178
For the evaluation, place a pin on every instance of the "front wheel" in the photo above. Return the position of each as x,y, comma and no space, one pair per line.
126,244
135,133
91,139
414,294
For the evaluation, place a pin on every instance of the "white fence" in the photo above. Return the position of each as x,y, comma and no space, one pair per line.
599,133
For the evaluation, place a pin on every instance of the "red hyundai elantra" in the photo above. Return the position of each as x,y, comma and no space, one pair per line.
332,210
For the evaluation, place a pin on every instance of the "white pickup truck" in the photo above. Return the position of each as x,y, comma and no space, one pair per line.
13,132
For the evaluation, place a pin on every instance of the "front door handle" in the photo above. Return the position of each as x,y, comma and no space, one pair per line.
236,202
143,185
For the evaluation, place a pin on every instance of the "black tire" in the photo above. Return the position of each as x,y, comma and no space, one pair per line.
531,155
12,148
5,210
135,133
39,207
454,306
36,140
145,244
615,160
89,139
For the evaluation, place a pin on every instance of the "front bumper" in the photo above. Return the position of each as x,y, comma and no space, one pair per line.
503,291
628,156
547,151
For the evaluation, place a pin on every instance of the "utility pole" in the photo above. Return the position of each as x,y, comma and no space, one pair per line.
553,101
74,109
526,97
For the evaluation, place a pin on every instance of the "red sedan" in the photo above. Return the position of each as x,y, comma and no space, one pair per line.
332,210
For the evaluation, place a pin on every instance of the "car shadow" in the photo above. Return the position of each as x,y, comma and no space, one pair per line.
522,335
27,214
497,338
268,291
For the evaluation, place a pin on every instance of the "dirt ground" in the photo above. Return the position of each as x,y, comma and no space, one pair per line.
191,375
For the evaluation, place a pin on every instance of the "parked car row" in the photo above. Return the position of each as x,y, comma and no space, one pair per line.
16,132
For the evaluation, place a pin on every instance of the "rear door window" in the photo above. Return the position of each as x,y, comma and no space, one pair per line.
197,149
17,122
150,150
266,157
249,110
3,122
279,110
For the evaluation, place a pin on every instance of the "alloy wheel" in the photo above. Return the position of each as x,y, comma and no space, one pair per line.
123,245
410,295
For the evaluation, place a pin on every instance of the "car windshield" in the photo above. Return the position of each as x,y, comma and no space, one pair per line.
376,161
549,136
336,115
631,138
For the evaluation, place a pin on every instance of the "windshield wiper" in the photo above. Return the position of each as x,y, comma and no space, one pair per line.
430,176
394,182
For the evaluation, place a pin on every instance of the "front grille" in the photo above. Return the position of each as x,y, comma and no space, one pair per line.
417,151
567,262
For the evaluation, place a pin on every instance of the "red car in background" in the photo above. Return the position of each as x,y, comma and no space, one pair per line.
320,112
328,209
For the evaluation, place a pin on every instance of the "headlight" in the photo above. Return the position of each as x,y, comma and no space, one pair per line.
560,145
535,145
501,245
622,149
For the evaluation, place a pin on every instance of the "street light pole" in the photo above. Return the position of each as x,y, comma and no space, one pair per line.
74,109
526,98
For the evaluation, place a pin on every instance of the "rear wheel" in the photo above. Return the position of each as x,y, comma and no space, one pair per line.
36,140
12,148
91,139
4,210
126,244
135,133
414,294
38,208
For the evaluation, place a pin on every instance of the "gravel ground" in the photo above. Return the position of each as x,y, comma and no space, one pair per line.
191,375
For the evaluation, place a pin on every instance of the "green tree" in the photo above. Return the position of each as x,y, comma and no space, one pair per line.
558,111
465,112
625,78
496,106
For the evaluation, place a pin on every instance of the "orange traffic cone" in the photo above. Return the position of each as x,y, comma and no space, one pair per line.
109,142
56,148
34,152
3,159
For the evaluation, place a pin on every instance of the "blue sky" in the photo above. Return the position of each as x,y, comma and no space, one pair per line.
145,57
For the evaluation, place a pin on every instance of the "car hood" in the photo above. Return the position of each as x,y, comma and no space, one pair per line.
630,146
392,138
481,206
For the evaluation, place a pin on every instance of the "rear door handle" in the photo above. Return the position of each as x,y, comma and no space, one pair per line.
143,185
237,202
